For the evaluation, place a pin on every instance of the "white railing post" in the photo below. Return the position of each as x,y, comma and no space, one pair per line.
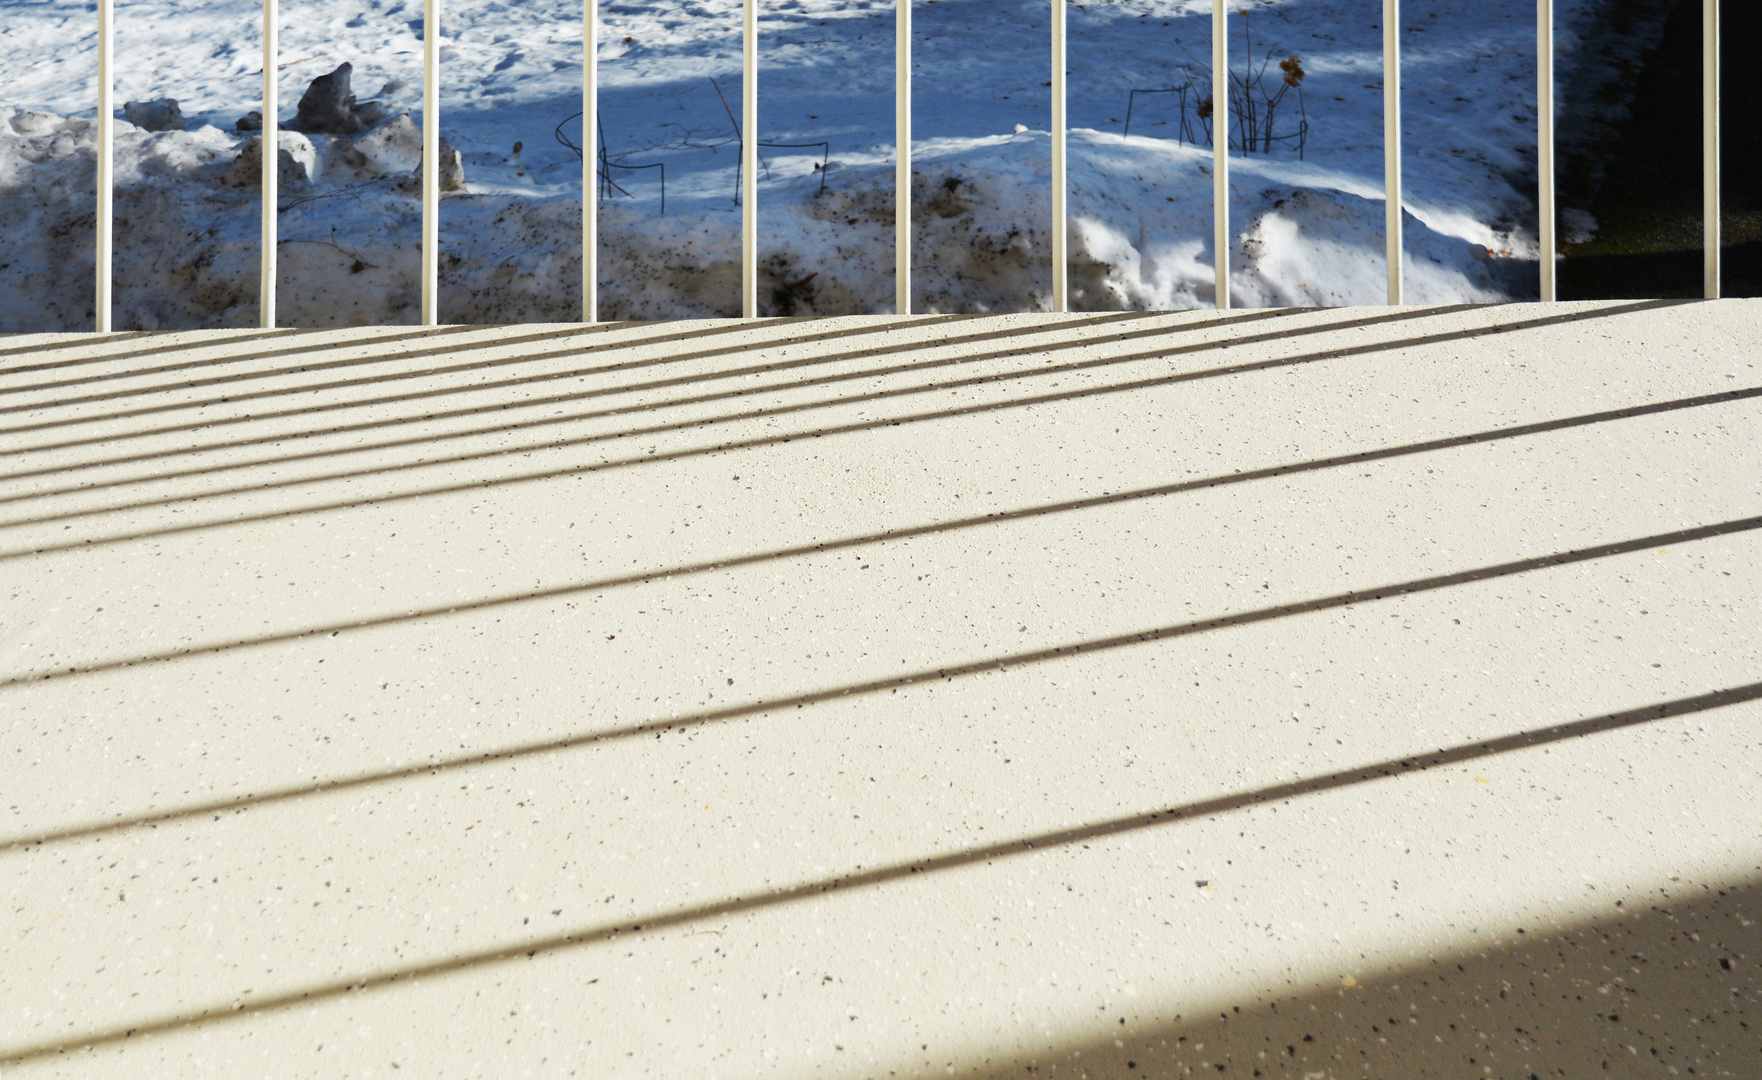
590,195
1392,142
1710,209
1220,150
902,142
430,162
1060,287
269,142
749,161
1547,213
106,149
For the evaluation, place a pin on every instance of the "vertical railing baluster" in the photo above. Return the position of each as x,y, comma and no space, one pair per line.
106,150
1547,213
1392,142
902,143
749,161
1220,150
269,143
1710,156
431,162
590,126
1060,288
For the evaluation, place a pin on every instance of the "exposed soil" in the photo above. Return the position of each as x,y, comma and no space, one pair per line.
1649,204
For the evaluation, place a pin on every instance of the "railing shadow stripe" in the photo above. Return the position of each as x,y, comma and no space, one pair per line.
860,878
771,367
83,340
340,339
501,384
340,343
942,673
208,423
500,339
769,440
556,421
376,336
450,369
1002,517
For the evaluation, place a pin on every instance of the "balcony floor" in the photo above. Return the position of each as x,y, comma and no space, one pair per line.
1288,693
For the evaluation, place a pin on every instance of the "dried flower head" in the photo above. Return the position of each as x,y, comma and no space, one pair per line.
1205,109
1293,69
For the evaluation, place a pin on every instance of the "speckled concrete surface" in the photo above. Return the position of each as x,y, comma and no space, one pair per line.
1287,694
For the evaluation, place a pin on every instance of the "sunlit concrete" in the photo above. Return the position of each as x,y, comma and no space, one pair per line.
1324,694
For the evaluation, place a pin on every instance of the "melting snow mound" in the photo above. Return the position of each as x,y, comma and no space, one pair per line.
350,230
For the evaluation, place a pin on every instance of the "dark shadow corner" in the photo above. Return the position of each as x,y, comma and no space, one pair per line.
1664,984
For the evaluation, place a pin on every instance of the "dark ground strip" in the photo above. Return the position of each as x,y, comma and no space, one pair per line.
1649,207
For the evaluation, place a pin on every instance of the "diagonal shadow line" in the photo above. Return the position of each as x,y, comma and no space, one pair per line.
97,341
621,410
875,877
74,340
595,414
554,421
747,444
451,369
994,518
376,357
525,403
721,326
340,340
502,340
946,673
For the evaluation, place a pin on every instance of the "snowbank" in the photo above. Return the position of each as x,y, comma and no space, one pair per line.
186,240
1306,231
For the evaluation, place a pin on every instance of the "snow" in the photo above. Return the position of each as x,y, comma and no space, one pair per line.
1306,232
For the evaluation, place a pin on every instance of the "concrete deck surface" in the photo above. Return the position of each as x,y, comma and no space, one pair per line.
1351,693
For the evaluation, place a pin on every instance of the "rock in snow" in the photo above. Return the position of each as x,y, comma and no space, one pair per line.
299,162
452,168
392,147
160,115
328,106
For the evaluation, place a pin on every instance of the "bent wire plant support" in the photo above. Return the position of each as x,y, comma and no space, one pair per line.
602,182
269,145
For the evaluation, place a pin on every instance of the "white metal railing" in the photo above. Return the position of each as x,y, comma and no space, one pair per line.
269,141
1061,187
590,125
106,213
749,224
1545,207
1709,145
1220,152
902,154
1392,230
431,163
